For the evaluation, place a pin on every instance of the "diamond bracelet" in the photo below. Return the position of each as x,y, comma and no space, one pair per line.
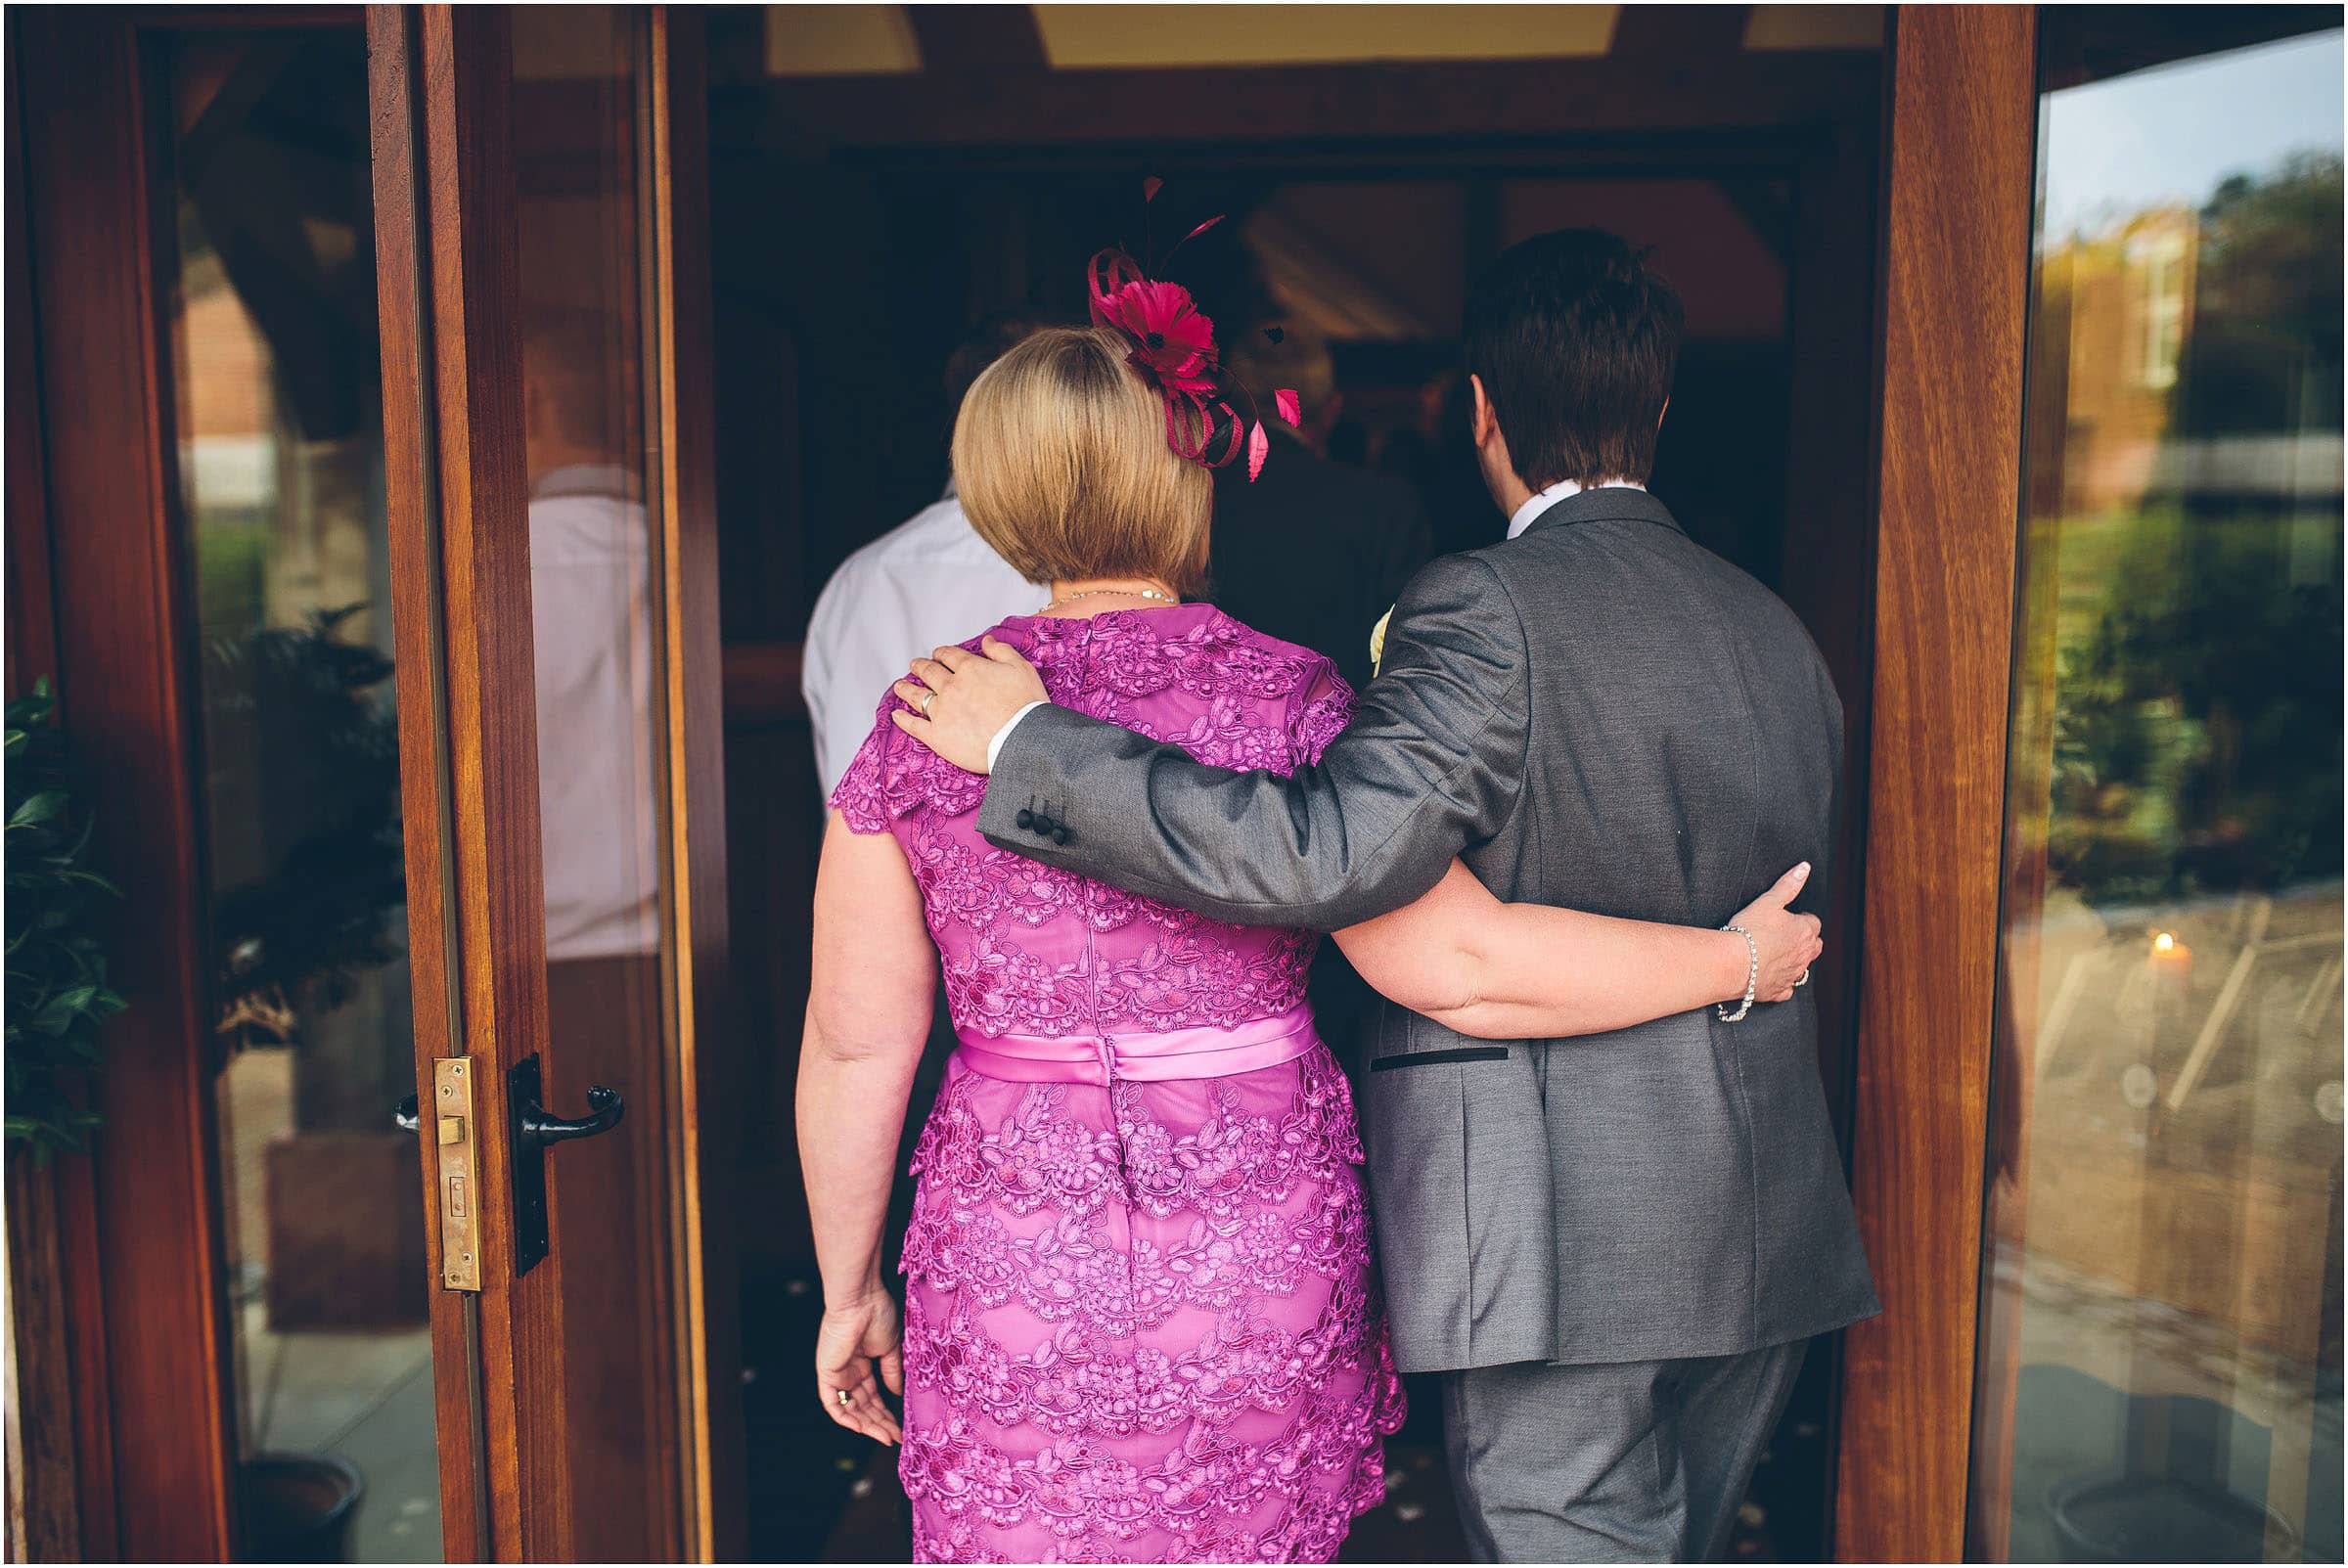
1752,977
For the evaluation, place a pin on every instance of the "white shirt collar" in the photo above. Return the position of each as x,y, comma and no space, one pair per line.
1534,506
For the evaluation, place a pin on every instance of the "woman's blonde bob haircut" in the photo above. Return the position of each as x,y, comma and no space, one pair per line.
1061,464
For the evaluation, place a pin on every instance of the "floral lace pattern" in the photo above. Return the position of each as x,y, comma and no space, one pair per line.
1141,1320
1031,950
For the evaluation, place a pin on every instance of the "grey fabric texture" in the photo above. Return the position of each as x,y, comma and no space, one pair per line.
1625,1461
1599,715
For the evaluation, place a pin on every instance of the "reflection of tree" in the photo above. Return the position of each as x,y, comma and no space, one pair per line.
2265,355
327,776
2197,742
2198,731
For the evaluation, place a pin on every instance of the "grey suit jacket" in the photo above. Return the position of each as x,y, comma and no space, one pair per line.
1598,714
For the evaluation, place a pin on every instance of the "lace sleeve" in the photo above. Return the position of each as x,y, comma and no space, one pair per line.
1321,708
892,772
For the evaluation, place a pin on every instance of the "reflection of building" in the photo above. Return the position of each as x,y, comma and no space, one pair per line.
2122,304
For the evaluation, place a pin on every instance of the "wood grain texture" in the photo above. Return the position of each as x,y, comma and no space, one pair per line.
710,1043
144,1282
480,469
44,1490
31,611
418,630
1957,228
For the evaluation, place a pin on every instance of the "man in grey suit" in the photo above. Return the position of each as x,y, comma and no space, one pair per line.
1614,1248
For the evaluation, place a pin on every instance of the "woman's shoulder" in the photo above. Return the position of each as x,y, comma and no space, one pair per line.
892,774
1216,640
1296,690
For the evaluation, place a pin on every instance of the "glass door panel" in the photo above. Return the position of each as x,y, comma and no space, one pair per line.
2159,1373
268,244
596,560
529,299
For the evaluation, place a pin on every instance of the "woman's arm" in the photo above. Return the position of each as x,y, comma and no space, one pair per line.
1526,971
868,1016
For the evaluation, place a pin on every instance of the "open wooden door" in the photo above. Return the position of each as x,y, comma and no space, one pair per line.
553,569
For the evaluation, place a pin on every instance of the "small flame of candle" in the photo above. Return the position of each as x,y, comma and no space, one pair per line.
2164,942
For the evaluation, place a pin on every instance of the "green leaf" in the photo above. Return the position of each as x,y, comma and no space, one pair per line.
38,809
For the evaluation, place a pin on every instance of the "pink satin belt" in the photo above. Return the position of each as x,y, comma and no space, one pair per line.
1078,1059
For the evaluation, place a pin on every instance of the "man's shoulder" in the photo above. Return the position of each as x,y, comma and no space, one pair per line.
937,539
1636,572
938,530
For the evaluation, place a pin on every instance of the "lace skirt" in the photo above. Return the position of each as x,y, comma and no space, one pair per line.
1142,1323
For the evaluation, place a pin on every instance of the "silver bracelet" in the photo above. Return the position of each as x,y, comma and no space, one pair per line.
1752,977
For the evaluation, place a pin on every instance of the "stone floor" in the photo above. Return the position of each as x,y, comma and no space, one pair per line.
365,1397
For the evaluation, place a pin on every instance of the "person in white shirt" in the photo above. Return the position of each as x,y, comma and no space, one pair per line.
929,581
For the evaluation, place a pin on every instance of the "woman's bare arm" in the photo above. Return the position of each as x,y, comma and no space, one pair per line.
868,1016
1526,971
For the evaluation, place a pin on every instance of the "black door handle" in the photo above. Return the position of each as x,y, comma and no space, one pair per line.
604,1109
534,1132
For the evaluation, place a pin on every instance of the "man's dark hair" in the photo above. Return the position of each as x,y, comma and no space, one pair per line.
1574,337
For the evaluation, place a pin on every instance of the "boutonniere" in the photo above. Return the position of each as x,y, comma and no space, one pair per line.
1378,639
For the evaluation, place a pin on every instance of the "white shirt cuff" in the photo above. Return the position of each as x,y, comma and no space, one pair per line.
994,747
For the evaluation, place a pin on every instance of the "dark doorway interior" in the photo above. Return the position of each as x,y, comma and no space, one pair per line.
844,274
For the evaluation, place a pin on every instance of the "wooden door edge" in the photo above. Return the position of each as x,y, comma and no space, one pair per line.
1957,192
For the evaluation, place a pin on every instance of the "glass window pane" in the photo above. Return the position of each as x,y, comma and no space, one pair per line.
277,390
2159,1373
582,193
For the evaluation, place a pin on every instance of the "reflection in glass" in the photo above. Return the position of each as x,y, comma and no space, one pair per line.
2159,1373
276,383
593,478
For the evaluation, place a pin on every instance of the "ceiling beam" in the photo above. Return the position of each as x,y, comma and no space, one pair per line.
1679,32
1388,102
977,37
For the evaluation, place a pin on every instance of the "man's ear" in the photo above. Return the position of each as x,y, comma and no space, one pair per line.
1482,424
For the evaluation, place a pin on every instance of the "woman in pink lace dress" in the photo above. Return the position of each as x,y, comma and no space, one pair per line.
1141,1319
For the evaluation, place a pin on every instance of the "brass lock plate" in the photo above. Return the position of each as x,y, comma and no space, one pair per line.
460,1183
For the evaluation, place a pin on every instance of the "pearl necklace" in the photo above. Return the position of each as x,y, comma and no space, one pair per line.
1096,593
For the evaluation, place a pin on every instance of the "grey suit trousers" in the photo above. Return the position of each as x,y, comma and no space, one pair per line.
1611,1462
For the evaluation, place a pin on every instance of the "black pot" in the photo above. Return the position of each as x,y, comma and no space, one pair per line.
298,1507
2155,1518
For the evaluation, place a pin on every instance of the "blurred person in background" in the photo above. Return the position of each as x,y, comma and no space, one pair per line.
1314,553
928,580
1436,456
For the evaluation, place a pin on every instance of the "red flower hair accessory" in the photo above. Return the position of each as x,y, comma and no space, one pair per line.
1174,345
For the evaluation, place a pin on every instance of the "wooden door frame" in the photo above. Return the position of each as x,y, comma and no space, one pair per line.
135,1383
447,253
140,1237
1814,117
682,380
1961,113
